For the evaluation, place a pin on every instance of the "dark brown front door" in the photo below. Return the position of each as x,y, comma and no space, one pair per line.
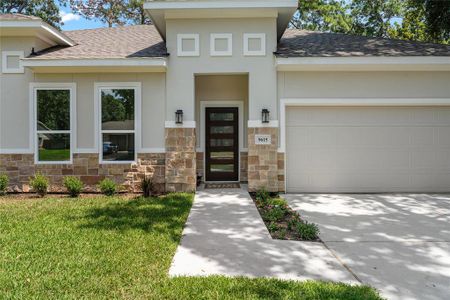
222,144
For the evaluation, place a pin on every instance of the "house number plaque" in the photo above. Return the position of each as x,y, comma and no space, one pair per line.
263,139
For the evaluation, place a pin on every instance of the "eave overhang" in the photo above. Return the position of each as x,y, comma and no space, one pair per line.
160,11
375,63
37,28
121,65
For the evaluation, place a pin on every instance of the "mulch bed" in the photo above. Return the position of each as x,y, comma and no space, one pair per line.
280,228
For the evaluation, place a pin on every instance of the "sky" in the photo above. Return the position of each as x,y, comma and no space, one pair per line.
76,22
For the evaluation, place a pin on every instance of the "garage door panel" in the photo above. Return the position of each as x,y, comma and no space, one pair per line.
368,149
442,135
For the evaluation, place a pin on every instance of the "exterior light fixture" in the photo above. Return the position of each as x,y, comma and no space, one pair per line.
265,115
179,117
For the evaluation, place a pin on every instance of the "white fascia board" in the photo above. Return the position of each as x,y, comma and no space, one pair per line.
131,62
403,63
45,28
220,4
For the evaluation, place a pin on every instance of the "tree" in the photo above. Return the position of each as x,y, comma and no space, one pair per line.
111,12
136,13
437,15
47,10
375,17
322,15
420,20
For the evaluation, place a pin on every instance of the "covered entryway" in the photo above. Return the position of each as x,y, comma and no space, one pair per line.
368,149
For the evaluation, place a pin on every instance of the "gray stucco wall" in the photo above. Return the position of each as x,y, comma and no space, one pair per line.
260,69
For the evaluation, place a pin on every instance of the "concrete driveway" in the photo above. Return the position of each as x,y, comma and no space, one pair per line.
399,244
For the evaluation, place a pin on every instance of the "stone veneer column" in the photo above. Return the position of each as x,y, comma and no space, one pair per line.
263,160
180,160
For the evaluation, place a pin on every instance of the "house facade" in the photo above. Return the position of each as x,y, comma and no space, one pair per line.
223,91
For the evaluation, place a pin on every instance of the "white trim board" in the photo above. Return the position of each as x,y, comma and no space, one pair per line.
16,151
220,4
286,102
120,62
137,86
404,63
185,124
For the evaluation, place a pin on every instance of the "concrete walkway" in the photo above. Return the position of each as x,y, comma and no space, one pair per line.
399,244
225,235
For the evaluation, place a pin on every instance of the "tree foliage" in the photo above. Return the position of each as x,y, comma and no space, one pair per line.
111,12
47,10
421,20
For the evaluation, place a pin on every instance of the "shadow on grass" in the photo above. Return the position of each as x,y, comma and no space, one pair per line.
164,215
265,288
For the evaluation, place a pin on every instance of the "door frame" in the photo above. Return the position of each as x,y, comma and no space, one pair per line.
239,104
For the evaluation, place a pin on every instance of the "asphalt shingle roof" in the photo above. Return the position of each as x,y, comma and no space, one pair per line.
17,17
119,42
302,43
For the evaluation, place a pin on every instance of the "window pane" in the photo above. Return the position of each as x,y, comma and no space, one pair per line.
221,116
118,109
222,129
222,168
54,147
53,110
221,142
222,155
118,147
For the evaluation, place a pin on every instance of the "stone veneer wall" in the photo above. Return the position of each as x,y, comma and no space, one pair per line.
281,179
263,161
180,160
20,167
243,166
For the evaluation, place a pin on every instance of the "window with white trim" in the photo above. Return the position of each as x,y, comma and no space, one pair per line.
254,44
118,111
53,125
11,62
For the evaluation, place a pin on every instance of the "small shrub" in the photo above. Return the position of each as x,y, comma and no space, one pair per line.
277,202
262,195
272,227
39,184
281,233
73,185
4,180
274,214
292,224
147,186
108,187
307,231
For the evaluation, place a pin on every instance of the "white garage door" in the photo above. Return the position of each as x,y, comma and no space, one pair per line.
368,149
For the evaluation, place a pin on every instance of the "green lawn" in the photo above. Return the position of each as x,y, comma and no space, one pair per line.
109,248
54,155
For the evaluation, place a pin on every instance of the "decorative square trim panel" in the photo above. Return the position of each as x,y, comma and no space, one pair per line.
216,36
5,55
261,37
193,36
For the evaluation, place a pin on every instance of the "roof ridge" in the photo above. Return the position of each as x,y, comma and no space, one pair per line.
110,28
367,37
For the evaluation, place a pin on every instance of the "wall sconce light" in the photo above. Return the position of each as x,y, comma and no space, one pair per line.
265,115
179,117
